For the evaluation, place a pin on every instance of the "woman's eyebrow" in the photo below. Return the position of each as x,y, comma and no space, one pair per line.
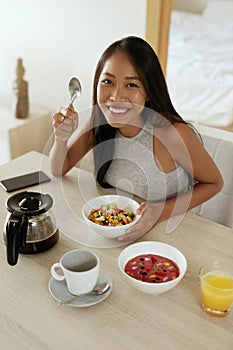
109,74
127,78
132,78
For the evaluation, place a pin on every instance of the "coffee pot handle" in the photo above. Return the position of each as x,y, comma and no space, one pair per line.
16,232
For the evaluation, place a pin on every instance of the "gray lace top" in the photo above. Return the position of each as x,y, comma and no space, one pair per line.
134,169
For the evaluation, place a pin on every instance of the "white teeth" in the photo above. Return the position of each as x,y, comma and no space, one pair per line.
118,110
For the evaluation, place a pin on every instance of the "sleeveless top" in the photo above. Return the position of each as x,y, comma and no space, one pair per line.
134,169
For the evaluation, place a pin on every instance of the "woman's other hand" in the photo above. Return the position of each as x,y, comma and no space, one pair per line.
150,217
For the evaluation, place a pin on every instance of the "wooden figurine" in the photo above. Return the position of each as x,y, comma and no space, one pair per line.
21,92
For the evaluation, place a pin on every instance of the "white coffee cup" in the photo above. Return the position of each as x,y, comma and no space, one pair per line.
80,268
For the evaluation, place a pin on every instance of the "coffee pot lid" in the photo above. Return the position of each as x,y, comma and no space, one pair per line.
29,203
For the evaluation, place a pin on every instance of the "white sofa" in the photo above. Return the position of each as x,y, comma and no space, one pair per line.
219,144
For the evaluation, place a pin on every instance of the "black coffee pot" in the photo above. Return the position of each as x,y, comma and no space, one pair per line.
30,225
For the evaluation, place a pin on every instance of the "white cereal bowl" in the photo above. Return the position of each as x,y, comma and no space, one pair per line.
122,202
156,248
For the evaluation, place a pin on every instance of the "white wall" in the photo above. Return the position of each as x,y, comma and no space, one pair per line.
58,39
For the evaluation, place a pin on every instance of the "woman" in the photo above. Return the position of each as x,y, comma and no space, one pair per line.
140,142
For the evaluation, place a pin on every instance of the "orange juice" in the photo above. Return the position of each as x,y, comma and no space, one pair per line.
217,291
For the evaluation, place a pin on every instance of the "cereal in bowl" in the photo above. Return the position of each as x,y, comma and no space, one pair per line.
111,215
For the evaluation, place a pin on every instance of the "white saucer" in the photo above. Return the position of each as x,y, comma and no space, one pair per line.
59,291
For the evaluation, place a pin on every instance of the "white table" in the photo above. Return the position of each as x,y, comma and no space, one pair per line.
31,319
18,136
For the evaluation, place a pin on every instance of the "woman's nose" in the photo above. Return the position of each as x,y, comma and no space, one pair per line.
118,94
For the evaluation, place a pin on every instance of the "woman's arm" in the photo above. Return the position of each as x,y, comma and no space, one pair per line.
187,151
68,148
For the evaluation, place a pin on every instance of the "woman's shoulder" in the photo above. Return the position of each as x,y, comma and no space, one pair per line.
180,130
178,134
187,132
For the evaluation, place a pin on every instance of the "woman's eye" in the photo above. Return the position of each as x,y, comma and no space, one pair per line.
132,85
107,81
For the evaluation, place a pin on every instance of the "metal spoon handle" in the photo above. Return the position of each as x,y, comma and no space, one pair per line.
67,299
72,101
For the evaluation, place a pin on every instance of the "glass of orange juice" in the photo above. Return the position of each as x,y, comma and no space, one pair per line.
216,288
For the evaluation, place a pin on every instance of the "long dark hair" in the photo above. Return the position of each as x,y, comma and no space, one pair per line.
149,70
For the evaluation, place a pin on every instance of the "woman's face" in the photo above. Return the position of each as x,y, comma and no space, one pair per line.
121,94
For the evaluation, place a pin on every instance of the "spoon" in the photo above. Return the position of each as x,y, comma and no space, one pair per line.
75,90
98,290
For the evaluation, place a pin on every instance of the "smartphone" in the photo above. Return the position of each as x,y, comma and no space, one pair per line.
23,181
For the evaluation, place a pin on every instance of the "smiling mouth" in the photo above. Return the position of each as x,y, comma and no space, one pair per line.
118,110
